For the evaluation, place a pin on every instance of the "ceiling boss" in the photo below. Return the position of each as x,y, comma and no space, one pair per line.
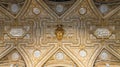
59,32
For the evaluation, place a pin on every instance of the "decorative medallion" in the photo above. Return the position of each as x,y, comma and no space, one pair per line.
17,32
59,6
15,8
83,53
59,32
37,53
103,8
15,56
104,56
59,56
36,10
102,33
82,10
54,32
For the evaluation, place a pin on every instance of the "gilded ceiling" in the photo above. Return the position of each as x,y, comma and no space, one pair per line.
59,33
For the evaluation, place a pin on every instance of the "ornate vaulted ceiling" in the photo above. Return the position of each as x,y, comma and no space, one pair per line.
59,33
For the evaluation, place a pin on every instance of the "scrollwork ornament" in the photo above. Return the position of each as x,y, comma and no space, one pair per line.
59,32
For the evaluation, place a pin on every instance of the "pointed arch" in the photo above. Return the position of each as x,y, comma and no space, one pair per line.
9,52
48,55
25,56
53,53
95,55
109,14
60,58
98,52
67,52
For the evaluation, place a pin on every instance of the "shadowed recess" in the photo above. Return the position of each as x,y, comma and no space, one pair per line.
12,59
59,6
12,6
106,6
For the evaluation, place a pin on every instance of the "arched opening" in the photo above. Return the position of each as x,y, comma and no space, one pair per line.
13,59
106,59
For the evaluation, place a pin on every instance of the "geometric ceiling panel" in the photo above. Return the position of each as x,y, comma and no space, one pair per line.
60,59
13,59
59,6
105,6
107,59
12,6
